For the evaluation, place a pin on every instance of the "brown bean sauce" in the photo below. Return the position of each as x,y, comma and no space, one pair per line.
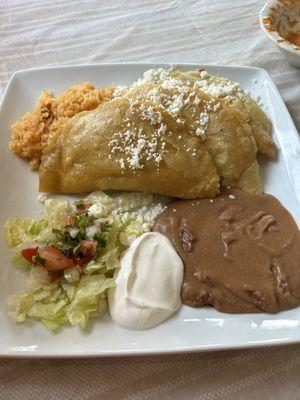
241,252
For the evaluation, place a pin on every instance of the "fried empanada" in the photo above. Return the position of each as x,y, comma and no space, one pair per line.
222,128
128,146
168,133
233,94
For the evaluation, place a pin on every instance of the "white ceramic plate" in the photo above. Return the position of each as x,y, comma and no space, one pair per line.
190,329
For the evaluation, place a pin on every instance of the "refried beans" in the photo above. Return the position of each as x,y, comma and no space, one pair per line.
241,252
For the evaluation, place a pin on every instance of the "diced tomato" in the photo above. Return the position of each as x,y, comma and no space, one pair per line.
79,268
81,260
55,260
29,253
88,247
54,276
70,220
86,204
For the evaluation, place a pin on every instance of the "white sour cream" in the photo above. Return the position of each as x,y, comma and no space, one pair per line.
148,283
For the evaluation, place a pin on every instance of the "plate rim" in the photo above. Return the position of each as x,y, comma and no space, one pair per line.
150,352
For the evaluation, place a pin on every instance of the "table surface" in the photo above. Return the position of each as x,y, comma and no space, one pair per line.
55,32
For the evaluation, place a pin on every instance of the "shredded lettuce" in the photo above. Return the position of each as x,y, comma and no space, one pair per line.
70,289
111,259
130,231
18,260
37,226
20,230
43,300
87,298
38,278
55,210
103,199
16,231
56,304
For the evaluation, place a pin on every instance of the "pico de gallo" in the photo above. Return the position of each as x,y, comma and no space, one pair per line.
80,239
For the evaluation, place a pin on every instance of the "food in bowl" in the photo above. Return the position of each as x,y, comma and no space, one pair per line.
280,20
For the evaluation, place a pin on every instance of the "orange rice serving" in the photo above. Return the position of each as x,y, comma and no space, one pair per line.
32,133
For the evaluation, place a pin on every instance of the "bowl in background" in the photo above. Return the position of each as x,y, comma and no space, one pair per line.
280,21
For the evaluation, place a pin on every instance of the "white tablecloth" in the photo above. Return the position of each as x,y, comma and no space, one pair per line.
45,32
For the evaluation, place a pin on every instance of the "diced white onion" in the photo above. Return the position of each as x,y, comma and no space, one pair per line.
91,231
71,274
27,245
99,221
73,232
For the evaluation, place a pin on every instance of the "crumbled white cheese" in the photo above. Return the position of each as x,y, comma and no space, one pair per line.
203,119
134,147
120,90
148,113
161,130
200,132
203,125
122,163
144,215
171,95
196,101
220,87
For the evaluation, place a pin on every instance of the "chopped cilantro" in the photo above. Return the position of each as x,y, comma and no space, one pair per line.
84,221
105,227
100,237
80,204
68,245
58,233
76,248
63,247
38,259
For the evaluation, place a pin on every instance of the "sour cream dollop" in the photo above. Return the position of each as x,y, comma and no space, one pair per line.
148,283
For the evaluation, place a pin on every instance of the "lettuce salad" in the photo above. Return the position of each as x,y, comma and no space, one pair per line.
71,254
